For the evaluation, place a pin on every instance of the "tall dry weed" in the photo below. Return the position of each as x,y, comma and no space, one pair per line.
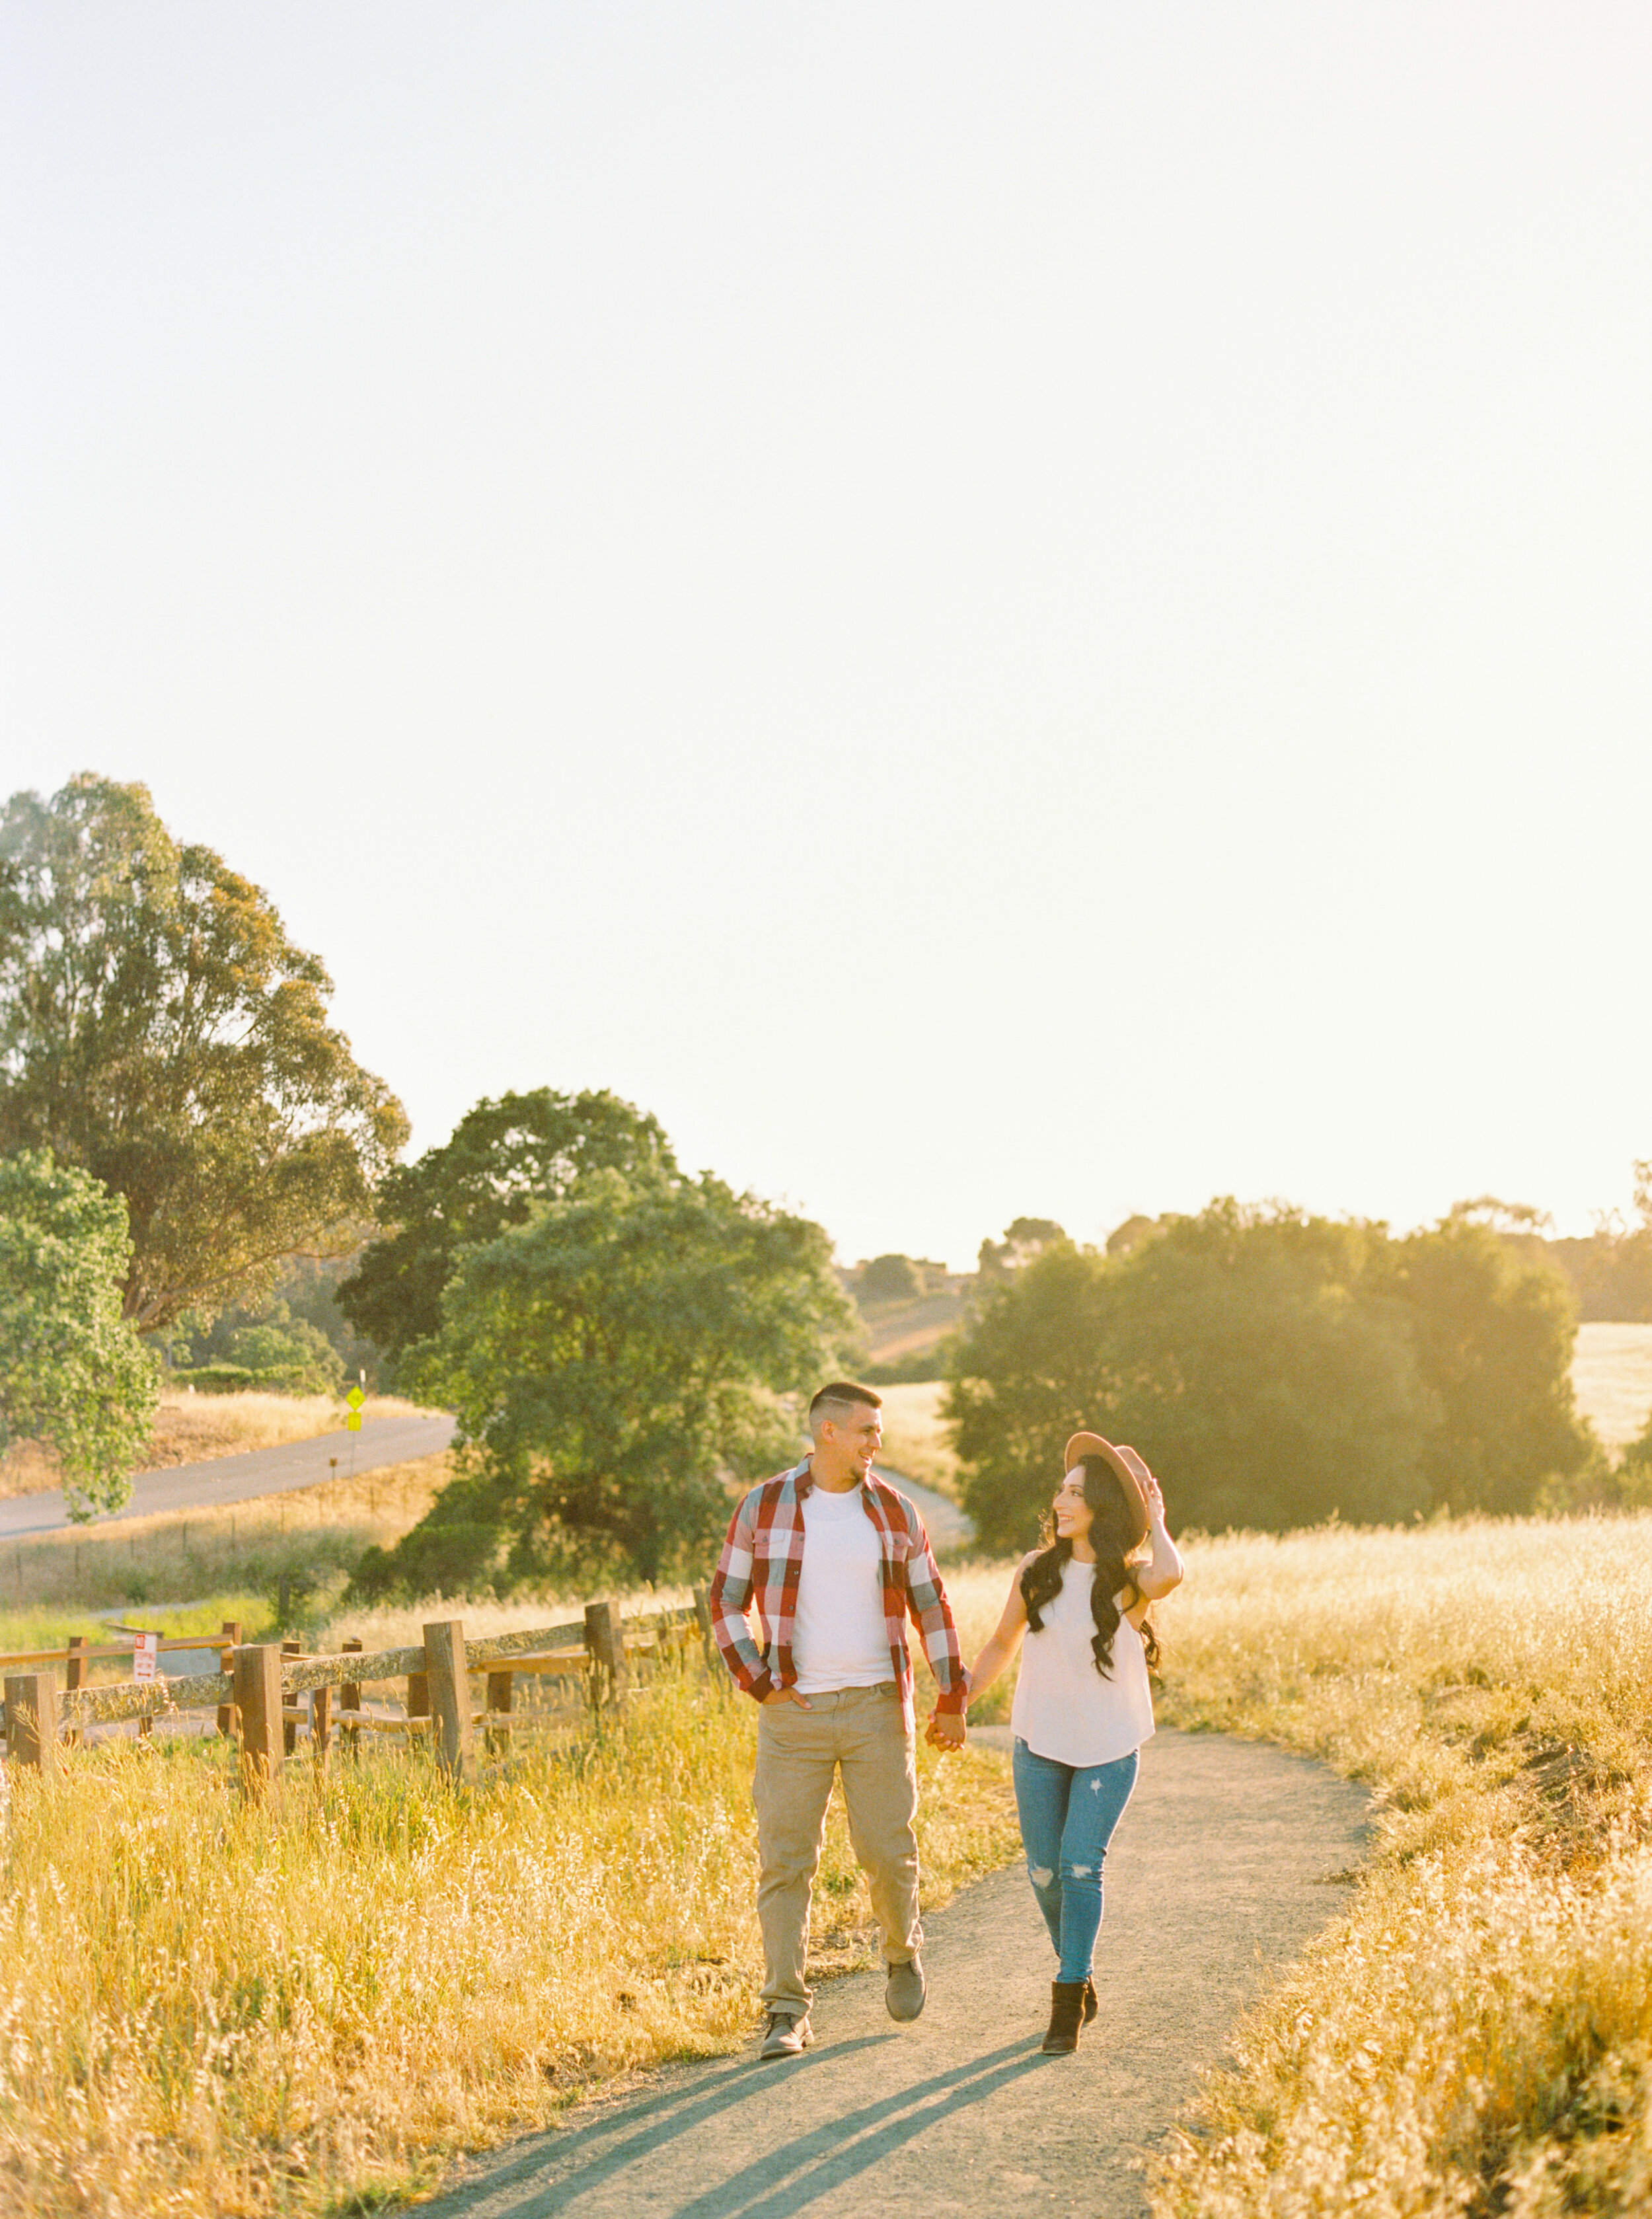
208,2010
1475,2034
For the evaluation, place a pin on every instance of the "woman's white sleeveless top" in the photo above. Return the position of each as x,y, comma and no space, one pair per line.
1063,1709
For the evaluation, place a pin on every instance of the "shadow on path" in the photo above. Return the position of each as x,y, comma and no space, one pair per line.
1227,1862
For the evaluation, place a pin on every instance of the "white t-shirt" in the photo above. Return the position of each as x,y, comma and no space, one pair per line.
1063,1709
839,1638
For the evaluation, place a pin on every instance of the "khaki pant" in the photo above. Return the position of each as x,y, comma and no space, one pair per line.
861,1732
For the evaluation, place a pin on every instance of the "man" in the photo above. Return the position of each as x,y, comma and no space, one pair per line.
836,1561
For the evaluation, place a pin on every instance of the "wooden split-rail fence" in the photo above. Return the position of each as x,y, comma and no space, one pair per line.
258,1693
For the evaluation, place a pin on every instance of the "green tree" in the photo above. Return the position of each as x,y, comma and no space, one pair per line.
290,1352
301,1306
1021,1241
1032,1365
618,1362
1494,1331
72,1372
889,1279
505,1160
1131,1233
159,1029
1243,1351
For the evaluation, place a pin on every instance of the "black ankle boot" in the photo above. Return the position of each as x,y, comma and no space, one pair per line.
1066,2016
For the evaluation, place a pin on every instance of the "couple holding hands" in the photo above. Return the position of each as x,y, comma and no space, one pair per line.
834,1561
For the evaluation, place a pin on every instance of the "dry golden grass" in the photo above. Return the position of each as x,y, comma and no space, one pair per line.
1475,2034
216,2011
915,1442
1611,1377
904,1328
313,1533
192,1429
400,1625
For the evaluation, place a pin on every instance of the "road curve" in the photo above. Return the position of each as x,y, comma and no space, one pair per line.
1231,1856
239,1478
295,1464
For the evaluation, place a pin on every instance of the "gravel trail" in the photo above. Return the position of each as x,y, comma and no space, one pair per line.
1231,1856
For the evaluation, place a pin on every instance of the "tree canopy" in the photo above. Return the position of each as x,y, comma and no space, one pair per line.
72,1373
1026,1238
506,1159
1494,1333
159,1029
618,1361
1277,1368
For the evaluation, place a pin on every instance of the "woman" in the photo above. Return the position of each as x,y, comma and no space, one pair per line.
1083,1707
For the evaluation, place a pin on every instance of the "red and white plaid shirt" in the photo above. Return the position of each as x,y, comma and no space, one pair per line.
761,1560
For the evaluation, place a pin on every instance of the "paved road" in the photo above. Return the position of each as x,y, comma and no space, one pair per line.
304,1464
238,1478
1231,1856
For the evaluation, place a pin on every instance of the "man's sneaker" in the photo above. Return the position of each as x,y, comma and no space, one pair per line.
904,1994
784,2036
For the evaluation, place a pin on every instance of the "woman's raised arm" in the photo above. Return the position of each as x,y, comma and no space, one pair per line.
1162,1568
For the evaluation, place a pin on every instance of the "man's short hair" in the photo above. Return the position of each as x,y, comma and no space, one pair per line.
838,1400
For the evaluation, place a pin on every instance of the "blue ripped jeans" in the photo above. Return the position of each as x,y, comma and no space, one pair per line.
1068,1812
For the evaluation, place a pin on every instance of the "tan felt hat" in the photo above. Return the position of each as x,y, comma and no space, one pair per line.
1083,1445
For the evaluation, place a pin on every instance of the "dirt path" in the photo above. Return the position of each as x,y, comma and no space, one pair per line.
1230,1857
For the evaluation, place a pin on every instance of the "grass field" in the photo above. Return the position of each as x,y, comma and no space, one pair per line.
189,1428
1611,1377
913,1327
312,1534
211,2011
1474,2035
915,1442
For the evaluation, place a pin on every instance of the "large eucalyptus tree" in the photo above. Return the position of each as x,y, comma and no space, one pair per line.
159,1029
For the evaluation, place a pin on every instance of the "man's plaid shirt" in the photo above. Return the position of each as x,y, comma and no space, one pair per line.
763,1556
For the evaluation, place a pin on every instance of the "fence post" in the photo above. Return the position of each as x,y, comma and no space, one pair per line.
32,1720
257,1700
229,1632
350,1699
290,1726
75,1676
707,1639
320,1725
501,1701
605,1644
417,1701
450,1696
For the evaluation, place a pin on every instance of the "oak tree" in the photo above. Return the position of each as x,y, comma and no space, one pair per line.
619,1363
505,1159
73,1373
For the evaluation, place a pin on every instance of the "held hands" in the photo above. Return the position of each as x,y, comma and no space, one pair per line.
946,1729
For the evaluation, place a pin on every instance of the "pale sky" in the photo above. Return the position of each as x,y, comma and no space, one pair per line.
990,609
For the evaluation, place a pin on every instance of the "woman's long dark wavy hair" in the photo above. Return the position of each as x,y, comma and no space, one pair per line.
1111,1533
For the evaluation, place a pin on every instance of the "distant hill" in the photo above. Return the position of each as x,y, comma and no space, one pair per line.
909,1305
906,1336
